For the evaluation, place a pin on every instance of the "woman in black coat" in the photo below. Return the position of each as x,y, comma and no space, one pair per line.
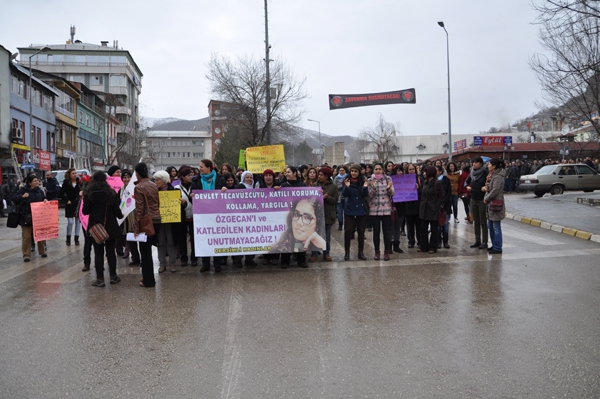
432,198
70,192
447,184
413,223
29,193
102,204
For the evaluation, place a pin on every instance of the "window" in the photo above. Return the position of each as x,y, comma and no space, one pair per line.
38,138
51,140
97,80
87,121
65,104
118,80
80,116
76,78
37,97
18,86
48,103
584,170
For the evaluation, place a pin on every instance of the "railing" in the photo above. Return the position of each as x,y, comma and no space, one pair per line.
65,112
68,63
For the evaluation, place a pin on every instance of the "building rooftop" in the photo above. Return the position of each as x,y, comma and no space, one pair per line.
200,125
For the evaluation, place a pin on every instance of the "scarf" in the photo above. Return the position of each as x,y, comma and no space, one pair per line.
477,173
342,177
377,177
244,178
209,180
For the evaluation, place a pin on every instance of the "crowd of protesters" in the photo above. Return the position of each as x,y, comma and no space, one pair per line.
356,198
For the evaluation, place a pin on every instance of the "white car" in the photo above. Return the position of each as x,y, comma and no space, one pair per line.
556,179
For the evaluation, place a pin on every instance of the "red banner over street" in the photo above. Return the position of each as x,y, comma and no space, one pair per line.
338,101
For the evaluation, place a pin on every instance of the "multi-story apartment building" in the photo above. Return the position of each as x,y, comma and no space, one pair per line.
102,68
178,143
66,119
33,134
91,140
5,120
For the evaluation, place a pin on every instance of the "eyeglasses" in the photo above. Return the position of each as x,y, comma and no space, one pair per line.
305,217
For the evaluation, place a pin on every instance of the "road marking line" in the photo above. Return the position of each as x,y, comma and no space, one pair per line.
24,267
529,237
69,276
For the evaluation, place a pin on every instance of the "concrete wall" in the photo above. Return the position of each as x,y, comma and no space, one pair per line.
339,148
4,99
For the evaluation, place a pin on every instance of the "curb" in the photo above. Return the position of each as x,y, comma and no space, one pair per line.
584,235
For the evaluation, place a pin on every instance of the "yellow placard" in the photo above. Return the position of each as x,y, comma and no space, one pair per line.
170,206
266,157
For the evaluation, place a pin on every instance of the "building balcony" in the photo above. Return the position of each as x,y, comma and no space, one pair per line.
123,111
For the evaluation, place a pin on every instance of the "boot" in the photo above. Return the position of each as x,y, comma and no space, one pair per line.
340,226
76,240
347,255
361,255
386,255
68,241
397,247
377,255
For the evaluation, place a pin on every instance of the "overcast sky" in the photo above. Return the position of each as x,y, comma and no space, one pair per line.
339,46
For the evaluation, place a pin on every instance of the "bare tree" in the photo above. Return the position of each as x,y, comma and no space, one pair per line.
243,84
382,139
570,75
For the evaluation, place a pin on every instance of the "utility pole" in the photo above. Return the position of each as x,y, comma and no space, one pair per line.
268,78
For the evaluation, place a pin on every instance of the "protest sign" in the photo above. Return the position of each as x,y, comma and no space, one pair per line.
127,198
242,159
170,206
115,182
84,219
266,157
45,220
243,222
405,187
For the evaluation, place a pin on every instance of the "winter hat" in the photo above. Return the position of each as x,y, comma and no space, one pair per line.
111,171
125,173
268,172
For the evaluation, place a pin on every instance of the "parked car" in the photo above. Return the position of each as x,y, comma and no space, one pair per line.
556,179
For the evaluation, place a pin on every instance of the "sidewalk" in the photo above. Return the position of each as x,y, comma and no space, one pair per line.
560,213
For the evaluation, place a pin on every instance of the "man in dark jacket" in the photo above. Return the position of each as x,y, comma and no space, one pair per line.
51,186
475,182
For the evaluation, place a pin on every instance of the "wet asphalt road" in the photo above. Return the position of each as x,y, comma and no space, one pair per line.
457,324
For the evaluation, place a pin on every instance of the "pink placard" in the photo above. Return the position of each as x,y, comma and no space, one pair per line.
115,182
45,220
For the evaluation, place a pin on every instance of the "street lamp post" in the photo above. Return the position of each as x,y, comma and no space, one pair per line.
320,142
441,23
31,132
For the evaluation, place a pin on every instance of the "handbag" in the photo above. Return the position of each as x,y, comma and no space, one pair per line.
146,223
442,212
442,217
13,216
496,205
98,231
